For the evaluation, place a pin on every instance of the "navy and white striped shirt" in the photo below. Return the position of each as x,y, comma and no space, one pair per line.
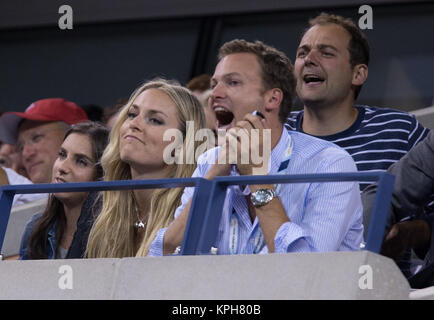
323,216
378,138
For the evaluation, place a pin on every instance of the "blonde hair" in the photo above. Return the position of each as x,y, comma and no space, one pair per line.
112,235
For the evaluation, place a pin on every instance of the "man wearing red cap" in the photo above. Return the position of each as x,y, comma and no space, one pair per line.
38,133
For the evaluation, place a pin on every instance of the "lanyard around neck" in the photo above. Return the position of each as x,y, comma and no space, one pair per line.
259,241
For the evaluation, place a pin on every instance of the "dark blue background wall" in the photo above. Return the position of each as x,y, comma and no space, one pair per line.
116,45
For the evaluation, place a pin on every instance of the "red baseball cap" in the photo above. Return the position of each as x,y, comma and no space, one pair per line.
52,109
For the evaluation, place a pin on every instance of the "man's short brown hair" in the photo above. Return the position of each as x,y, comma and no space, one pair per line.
199,83
358,46
277,70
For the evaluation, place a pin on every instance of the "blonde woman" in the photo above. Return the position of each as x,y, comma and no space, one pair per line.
129,220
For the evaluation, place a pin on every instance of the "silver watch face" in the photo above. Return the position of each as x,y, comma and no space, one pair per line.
262,197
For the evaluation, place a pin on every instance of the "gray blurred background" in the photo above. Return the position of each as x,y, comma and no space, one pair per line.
116,45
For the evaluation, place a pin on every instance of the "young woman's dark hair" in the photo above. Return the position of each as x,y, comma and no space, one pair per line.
54,212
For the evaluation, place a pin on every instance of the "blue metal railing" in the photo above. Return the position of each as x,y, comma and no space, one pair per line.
208,198
203,186
377,223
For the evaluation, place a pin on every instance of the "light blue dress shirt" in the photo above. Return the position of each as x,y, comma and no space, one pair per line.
323,216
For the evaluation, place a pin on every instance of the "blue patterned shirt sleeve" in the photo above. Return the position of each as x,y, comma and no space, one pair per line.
156,247
332,215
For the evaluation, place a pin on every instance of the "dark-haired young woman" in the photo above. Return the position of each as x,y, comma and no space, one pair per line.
49,235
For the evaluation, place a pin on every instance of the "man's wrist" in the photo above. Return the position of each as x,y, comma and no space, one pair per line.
262,197
256,187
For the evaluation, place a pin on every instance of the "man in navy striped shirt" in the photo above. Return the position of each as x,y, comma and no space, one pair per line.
297,217
330,68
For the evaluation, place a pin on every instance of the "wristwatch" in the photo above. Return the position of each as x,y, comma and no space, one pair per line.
261,197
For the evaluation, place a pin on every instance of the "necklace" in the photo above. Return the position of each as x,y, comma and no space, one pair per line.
139,223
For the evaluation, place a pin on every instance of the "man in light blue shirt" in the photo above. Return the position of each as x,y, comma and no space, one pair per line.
253,89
